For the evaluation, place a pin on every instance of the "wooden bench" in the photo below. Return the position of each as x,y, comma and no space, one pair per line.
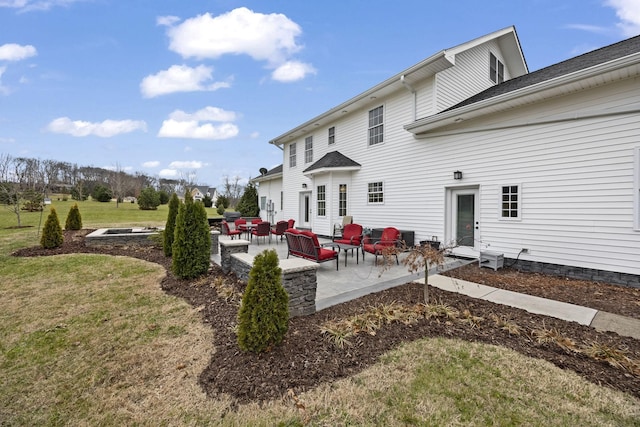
304,244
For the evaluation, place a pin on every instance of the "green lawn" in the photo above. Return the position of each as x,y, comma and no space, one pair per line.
93,340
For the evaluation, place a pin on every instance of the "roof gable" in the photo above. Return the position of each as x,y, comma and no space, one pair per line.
332,161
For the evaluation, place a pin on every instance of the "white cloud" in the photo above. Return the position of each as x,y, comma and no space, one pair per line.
105,129
254,135
190,164
7,140
192,129
151,164
16,52
30,5
628,11
180,78
166,21
181,124
208,114
263,37
292,71
168,173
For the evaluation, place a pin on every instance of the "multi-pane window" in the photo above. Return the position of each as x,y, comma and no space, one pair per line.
292,155
510,207
342,200
322,200
263,203
308,149
375,193
376,126
496,69
332,135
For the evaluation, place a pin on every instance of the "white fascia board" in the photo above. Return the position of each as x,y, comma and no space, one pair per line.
321,171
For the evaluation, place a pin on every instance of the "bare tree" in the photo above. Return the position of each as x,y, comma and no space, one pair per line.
20,179
117,179
232,189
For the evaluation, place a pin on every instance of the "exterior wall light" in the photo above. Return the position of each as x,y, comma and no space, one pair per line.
304,185
457,175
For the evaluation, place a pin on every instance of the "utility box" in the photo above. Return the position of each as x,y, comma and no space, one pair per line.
491,259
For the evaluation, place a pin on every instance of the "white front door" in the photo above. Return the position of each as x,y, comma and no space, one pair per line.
463,217
305,209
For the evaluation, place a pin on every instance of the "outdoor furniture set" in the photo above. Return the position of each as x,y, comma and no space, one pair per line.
256,227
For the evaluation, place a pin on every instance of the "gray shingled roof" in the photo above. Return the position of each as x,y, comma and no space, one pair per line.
590,59
276,170
334,159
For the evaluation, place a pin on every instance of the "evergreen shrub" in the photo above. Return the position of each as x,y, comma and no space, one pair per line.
263,319
170,226
191,249
74,219
52,232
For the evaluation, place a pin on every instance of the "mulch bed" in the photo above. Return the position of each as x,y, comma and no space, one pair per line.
306,358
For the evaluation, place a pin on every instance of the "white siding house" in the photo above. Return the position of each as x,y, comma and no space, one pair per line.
270,195
549,161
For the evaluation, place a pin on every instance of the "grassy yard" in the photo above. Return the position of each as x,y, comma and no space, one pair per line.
93,340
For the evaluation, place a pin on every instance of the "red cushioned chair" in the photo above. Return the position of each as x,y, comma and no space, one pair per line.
312,250
293,243
351,235
262,229
390,238
291,223
228,231
279,229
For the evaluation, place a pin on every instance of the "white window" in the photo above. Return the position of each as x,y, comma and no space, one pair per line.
510,202
263,203
342,200
496,69
308,149
636,190
375,192
322,200
292,155
376,126
332,135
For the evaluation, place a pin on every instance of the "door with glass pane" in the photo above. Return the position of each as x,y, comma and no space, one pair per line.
465,221
305,209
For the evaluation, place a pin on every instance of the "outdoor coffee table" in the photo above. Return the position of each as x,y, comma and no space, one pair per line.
345,247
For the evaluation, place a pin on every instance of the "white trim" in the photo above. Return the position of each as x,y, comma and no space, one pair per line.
636,189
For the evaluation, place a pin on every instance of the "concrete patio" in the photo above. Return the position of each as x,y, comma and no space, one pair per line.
351,281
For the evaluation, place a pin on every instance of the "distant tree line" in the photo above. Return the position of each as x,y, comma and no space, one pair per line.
25,181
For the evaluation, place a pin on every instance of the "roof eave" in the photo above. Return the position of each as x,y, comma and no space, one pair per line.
321,171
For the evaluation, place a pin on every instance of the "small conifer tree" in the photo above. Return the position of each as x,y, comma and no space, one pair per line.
74,219
169,229
52,232
191,249
263,319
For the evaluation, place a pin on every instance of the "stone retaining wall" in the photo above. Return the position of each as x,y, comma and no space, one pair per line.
580,273
299,277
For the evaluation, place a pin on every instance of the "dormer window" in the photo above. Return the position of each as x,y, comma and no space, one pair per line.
496,69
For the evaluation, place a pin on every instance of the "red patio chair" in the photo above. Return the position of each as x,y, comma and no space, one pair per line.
351,235
279,229
228,231
390,238
262,229
291,223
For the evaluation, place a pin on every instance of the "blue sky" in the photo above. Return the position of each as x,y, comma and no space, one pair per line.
171,88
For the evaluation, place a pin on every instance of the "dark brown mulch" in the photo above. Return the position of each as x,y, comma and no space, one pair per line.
306,358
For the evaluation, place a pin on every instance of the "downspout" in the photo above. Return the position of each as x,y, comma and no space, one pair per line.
413,91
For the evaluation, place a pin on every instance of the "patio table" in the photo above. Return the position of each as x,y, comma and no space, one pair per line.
345,247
